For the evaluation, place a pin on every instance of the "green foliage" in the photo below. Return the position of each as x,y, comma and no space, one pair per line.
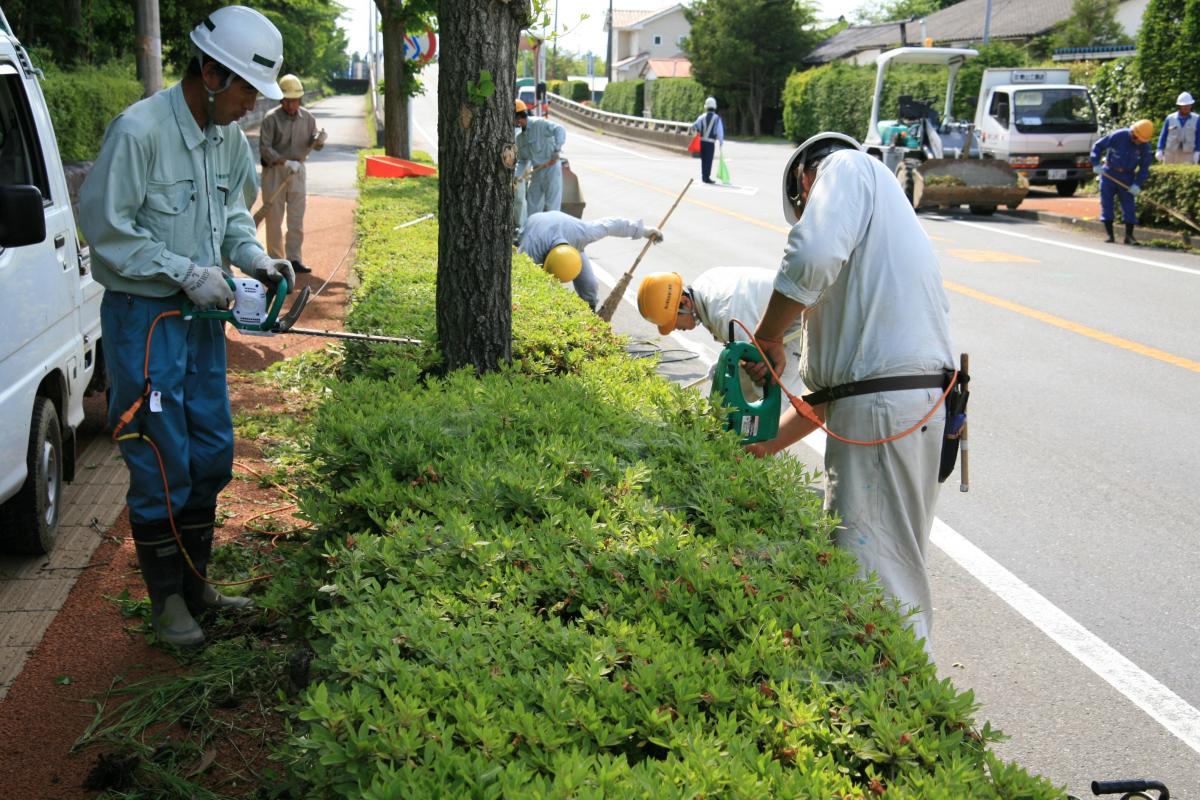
1175,186
1092,23
625,97
1165,66
83,101
479,91
1119,93
578,91
745,49
889,10
679,99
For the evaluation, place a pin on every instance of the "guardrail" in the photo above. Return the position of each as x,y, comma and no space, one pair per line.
665,133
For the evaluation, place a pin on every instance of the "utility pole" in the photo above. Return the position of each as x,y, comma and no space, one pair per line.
608,55
148,49
987,20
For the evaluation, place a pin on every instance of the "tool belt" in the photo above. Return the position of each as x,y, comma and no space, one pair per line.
872,385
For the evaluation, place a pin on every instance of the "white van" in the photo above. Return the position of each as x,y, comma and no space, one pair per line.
1038,122
49,313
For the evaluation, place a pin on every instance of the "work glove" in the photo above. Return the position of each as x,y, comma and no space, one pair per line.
653,234
206,287
1158,155
319,141
292,166
270,270
1099,170
1134,189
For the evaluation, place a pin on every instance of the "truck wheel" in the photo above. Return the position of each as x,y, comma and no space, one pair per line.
983,211
30,517
1066,188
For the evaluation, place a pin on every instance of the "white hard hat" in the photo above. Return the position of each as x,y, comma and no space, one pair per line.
292,88
1184,99
815,147
710,102
247,43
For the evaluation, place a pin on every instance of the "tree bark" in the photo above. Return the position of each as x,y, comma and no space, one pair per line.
476,156
395,75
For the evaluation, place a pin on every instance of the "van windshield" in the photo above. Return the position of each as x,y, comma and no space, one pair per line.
1054,111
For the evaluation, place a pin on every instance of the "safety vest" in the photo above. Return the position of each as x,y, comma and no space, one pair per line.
1181,139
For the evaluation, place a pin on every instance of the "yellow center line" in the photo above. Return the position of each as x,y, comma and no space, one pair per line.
1032,313
1075,327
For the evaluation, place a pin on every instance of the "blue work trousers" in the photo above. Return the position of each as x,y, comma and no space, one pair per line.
1108,189
190,421
707,149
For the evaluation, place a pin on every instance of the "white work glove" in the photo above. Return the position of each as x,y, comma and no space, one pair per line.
270,270
1134,189
206,287
1158,155
292,166
1099,170
653,234
319,141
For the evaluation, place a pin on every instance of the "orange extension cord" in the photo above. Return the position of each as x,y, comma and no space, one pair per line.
807,411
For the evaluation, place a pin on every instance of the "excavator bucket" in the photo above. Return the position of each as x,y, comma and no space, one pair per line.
982,184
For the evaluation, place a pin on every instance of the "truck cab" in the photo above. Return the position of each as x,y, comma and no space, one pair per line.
1038,122
49,313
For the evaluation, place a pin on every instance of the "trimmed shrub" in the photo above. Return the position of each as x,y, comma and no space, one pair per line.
1175,186
572,583
625,97
833,97
1119,94
578,91
82,102
678,99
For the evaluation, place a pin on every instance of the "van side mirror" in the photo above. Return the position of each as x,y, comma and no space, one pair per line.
22,219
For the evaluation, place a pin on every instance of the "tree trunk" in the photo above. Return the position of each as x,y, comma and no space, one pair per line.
395,104
476,156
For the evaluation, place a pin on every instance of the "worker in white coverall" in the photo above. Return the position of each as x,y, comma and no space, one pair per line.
863,273
544,232
715,300
538,146
287,134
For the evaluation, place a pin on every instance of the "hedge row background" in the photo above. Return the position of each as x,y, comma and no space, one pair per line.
679,99
82,102
625,97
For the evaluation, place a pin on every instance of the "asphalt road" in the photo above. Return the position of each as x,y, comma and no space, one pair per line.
1063,581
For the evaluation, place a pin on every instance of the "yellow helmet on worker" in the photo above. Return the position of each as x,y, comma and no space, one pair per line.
563,262
658,299
292,88
1142,130
519,107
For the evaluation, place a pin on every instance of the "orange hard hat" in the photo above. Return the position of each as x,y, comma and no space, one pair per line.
520,107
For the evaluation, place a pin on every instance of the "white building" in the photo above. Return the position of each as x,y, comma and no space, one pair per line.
642,36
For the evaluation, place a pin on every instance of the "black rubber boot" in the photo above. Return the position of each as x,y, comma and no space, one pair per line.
196,531
1129,234
1108,226
162,570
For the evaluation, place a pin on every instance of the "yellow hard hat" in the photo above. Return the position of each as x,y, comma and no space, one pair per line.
658,299
1142,130
563,262
520,107
292,88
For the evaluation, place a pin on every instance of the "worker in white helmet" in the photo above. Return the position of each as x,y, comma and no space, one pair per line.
162,208
287,134
1179,141
544,233
714,300
876,350
711,130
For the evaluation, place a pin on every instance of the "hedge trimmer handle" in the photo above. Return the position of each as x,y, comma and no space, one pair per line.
255,307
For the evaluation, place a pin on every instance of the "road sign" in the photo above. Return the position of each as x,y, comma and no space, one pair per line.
420,46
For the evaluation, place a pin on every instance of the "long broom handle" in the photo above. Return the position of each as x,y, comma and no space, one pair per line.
610,304
1181,217
964,469
262,211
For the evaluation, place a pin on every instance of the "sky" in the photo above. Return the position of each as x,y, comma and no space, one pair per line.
577,34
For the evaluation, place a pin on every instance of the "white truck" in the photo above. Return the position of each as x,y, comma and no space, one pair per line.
1040,123
49,313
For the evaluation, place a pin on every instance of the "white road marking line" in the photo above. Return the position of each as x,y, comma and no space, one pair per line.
1181,719
626,150
1093,250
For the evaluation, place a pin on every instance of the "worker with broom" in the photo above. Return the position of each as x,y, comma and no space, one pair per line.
877,350
556,241
1126,155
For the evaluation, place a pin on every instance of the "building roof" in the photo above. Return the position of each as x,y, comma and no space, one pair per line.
961,22
624,18
631,60
676,67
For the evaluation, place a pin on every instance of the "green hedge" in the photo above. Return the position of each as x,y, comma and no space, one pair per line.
679,99
1175,186
579,91
565,580
625,97
1118,92
82,102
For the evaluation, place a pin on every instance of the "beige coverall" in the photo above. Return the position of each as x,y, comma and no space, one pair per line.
282,136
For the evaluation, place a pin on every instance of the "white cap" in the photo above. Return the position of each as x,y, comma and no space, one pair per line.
710,102
245,42
1184,99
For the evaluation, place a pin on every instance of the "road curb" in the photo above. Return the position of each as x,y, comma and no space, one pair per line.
1090,224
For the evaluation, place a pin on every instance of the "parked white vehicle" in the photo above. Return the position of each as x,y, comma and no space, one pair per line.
49,313
1038,122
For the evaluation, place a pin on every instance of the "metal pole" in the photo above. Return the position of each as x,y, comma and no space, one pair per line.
987,20
149,46
608,55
